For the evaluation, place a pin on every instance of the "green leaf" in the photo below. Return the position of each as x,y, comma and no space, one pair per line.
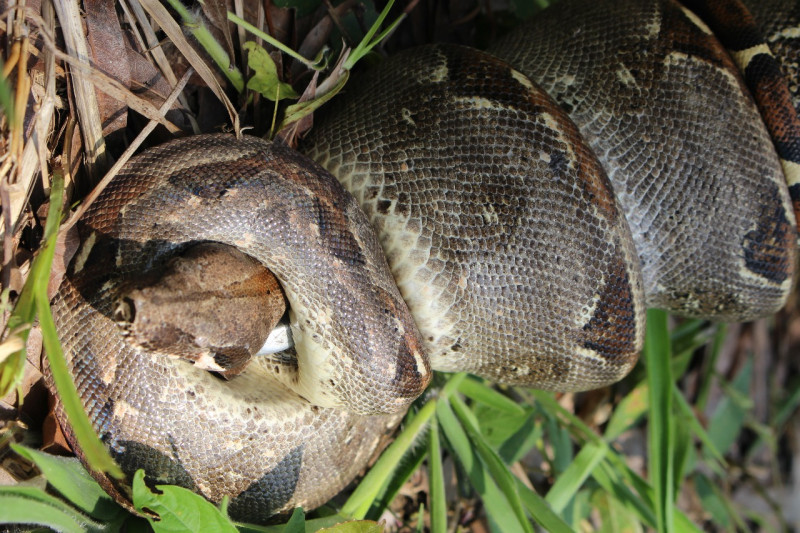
411,462
357,526
661,435
369,41
371,486
179,509
568,483
213,48
436,496
497,507
517,445
71,479
482,393
265,75
628,412
297,111
297,523
499,471
499,426
540,510
728,419
614,517
711,501
6,103
32,505
34,298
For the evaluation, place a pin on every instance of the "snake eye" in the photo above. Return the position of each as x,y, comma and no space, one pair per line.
124,311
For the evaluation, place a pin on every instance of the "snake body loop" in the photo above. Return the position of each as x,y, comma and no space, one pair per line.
521,246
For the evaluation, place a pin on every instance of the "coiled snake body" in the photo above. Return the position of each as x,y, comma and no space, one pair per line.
516,257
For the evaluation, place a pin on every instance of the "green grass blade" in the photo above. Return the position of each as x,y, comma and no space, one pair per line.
628,412
569,481
480,392
498,470
496,504
94,451
210,44
538,508
368,43
611,480
68,477
457,438
661,436
411,462
689,416
32,505
370,487
436,496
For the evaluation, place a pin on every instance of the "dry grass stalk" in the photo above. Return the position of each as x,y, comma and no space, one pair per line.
85,99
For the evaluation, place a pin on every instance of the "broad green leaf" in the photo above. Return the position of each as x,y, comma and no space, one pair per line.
517,445
311,526
71,479
31,505
499,426
711,501
265,75
179,509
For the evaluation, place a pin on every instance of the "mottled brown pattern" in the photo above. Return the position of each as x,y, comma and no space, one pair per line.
252,434
499,224
682,142
499,232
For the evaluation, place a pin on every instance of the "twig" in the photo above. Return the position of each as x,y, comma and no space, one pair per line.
92,196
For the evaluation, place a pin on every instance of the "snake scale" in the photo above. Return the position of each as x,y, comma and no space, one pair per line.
519,234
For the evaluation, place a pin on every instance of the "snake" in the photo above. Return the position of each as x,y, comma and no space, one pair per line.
509,213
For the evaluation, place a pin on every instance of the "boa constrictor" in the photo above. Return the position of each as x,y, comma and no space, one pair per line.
524,240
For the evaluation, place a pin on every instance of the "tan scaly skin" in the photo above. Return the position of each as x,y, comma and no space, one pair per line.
516,258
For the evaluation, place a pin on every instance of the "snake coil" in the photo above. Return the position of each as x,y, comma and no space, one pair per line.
519,234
